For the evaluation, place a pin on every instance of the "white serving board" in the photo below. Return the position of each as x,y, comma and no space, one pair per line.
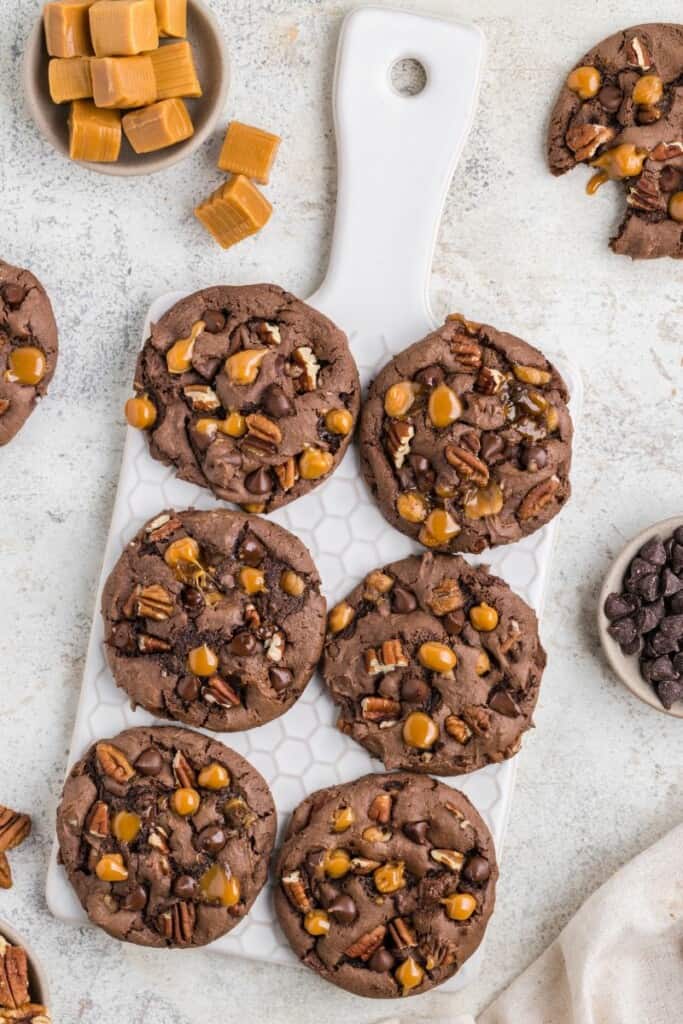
396,158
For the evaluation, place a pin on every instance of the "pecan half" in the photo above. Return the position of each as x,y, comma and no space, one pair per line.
466,351
264,429
478,718
399,435
638,54
457,728
470,326
295,890
446,597
380,808
14,828
438,953
305,358
666,151
202,398
467,465
162,527
269,334
98,820
375,709
238,813
184,773
400,933
113,762
646,194
5,873
158,839
451,859
585,139
538,497
152,644
184,916
363,865
218,691
514,636
275,647
490,381
365,946
14,983
287,474
376,585
155,603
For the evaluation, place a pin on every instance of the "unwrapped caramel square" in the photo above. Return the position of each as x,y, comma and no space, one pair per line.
94,134
234,211
69,79
163,124
172,17
248,150
175,71
123,81
123,28
67,30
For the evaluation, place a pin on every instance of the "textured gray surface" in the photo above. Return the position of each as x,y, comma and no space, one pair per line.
602,776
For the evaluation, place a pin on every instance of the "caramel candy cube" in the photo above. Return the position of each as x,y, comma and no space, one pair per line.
94,134
156,127
172,17
123,81
67,31
248,150
234,211
122,28
175,71
70,79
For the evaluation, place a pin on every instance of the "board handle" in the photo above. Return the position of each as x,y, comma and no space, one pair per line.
396,157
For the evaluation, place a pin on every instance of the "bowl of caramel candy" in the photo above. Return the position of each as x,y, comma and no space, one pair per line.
126,86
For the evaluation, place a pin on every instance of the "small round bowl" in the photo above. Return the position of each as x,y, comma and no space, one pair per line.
37,981
213,69
626,666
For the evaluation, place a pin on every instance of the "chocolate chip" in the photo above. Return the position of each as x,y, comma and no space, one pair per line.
188,688
648,115
610,98
327,893
670,583
211,839
415,690
430,376
403,601
243,644
343,909
502,702
259,482
276,403
214,321
648,586
670,691
677,558
678,535
280,678
417,831
136,898
252,551
454,622
185,886
672,625
662,643
653,551
676,602
477,869
634,647
624,631
648,617
14,294
618,606
381,961
192,598
149,762
491,447
533,457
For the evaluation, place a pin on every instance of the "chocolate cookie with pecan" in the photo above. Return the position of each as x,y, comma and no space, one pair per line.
214,619
621,112
466,438
386,884
28,347
165,835
435,664
249,392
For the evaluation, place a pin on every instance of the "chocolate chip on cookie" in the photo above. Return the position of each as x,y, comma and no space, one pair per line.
165,835
466,439
28,347
435,665
386,884
621,112
214,619
249,392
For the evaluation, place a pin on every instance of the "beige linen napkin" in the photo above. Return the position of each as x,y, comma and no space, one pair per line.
618,961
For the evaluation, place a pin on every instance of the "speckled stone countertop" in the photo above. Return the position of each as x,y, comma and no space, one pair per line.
601,777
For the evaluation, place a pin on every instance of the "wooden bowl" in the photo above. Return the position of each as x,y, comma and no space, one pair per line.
213,68
37,980
626,665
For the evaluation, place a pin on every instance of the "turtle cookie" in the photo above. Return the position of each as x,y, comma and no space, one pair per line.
621,112
249,392
214,619
166,836
466,439
386,884
435,665
28,347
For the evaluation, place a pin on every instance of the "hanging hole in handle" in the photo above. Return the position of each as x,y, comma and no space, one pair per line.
408,77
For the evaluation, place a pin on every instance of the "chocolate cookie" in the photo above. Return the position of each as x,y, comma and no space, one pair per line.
28,347
621,111
249,392
466,439
165,836
436,665
386,884
214,618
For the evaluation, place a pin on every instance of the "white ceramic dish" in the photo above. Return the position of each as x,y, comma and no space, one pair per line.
396,159
624,665
213,68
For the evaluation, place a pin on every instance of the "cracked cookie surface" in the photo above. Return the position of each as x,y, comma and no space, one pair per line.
466,439
249,392
165,835
621,112
214,619
436,665
28,347
386,884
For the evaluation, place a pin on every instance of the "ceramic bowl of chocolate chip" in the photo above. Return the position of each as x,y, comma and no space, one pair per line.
640,616
24,985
